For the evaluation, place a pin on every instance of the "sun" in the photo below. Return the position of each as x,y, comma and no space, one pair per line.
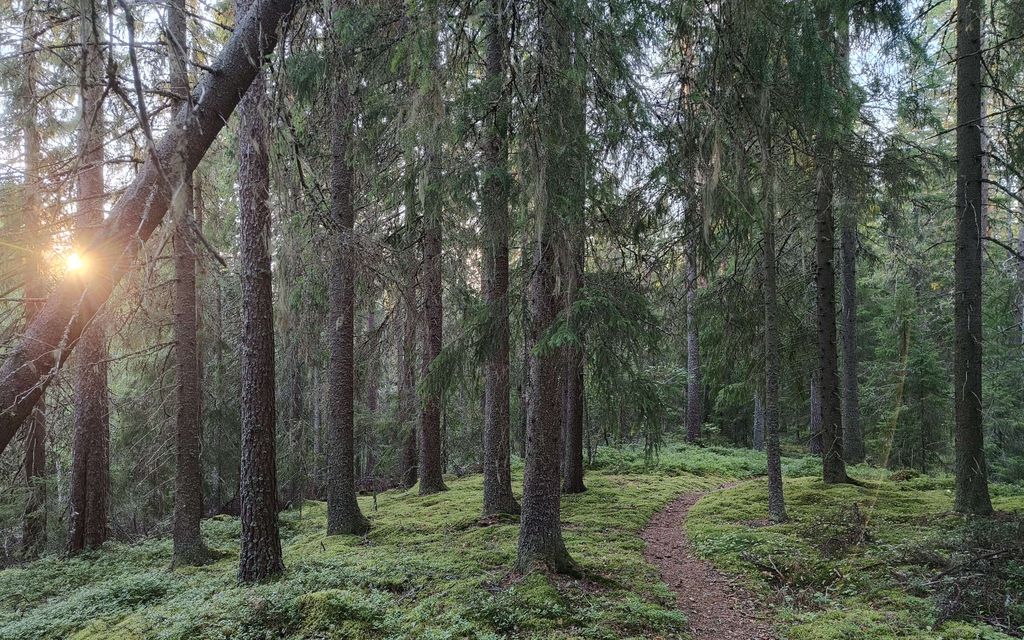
74,262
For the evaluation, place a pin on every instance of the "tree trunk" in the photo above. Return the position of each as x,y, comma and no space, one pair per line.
34,523
758,423
833,466
772,365
69,309
694,417
408,464
814,446
430,463
971,476
343,514
574,268
853,436
188,486
260,556
90,448
540,531
494,208
372,392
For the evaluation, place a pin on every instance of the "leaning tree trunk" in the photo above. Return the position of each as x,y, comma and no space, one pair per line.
971,476
540,531
494,209
57,329
33,539
260,556
343,514
188,486
430,462
90,448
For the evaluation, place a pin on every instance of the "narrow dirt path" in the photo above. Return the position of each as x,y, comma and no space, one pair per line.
717,606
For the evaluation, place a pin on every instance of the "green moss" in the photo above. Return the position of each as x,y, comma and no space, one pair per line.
427,569
852,562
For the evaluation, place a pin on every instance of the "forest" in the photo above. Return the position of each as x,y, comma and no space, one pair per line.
695,319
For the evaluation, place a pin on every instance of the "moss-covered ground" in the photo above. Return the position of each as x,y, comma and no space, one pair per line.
431,569
883,561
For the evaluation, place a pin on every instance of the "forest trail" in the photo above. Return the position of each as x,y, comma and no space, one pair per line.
717,606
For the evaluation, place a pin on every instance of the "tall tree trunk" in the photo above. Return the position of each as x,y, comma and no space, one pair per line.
814,444
343,514
260,556
409,461
574,268
494,209
772,365
33,539
188,486
758,423
833,466
430,462
90,448
694,413
68,310
971,475
372,392
853,435
540,531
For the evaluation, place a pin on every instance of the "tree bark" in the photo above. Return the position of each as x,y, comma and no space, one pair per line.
408,464
430,463
853,435
343,514
772,365
694,412
540,531
56,331
574,268
494,208
758,423
814,446
189,548
833,466
260,556
90,448
972,495
33,539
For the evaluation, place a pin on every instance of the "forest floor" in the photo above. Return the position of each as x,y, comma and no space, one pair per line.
905,568
716,605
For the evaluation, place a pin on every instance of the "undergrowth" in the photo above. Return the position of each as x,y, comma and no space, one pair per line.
884,561
426,570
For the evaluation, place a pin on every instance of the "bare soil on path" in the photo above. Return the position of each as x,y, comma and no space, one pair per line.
717,605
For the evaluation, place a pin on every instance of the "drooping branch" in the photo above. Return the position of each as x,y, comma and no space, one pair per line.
49,340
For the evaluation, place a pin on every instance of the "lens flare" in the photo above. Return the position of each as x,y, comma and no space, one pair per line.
75,262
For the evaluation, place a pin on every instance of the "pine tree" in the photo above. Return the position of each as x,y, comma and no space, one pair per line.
260,556
90,466
971,474
343,514
494,209
188,488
